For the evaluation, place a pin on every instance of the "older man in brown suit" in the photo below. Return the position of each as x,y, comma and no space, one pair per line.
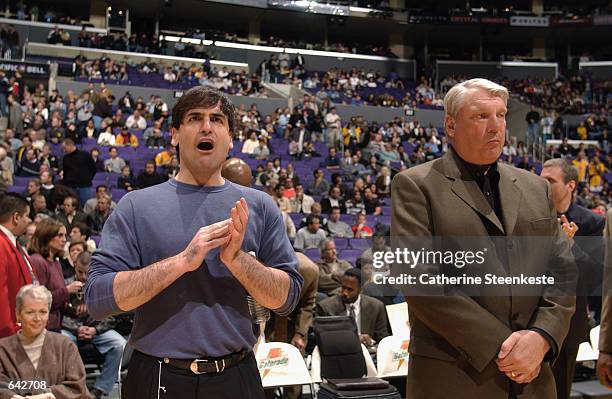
604,363
483,345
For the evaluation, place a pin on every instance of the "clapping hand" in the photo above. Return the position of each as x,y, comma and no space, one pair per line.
237,228
570,228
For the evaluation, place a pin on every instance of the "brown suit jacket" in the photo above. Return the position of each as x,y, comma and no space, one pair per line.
373,316
605,332
299,321
303,313
457,338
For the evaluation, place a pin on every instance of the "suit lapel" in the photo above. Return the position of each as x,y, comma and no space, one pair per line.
339,305
364,314
510,196
466,188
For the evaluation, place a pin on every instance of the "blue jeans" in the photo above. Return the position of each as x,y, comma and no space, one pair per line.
110,344
84,194
97,120
3,105
532,133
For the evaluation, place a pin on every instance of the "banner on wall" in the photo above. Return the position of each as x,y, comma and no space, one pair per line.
465,19
535,22
566,21
427,19
27,69
602,20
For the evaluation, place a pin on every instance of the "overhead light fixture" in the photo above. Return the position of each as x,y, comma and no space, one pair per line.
191,40
248,47
360,9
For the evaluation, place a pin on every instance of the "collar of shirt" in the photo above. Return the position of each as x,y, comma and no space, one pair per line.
357,305
480,172
9,234
568,212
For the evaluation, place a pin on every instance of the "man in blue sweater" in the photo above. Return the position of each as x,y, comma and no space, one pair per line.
179,255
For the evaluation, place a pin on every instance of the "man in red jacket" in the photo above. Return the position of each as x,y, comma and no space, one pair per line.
15,270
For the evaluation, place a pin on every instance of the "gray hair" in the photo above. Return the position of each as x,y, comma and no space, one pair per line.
33,291
454,99
570,172
323,244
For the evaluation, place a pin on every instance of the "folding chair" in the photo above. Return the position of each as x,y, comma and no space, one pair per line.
281,365
315,364
392,356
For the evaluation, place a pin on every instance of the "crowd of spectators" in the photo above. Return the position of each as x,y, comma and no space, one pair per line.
353,159
232,81
33,12
350,48
118,41
103,68
9,42
575,94
330,177
229,81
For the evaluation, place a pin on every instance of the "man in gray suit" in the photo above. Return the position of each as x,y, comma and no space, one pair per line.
493,343
369,313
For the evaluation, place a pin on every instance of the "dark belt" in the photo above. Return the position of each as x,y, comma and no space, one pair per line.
210,365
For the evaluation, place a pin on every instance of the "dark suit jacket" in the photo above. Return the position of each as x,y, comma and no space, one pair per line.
79,217
457,338
327,208
588,252
372,314
295,135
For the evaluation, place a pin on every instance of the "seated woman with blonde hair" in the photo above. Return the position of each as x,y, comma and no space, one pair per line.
36,363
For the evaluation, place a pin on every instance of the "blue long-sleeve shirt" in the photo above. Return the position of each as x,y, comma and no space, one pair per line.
204,312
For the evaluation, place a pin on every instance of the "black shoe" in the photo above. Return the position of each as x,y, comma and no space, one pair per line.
97,393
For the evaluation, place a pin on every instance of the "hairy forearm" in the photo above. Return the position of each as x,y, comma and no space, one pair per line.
132,289
267,285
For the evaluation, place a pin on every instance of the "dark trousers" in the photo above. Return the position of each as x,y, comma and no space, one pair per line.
565,364
144,378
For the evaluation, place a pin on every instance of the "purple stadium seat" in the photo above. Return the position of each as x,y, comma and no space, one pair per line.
117,193
350,255
341,243
314,254
385,219
296,218
347,219
97,240
17,189
370,220
21,181
360,243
